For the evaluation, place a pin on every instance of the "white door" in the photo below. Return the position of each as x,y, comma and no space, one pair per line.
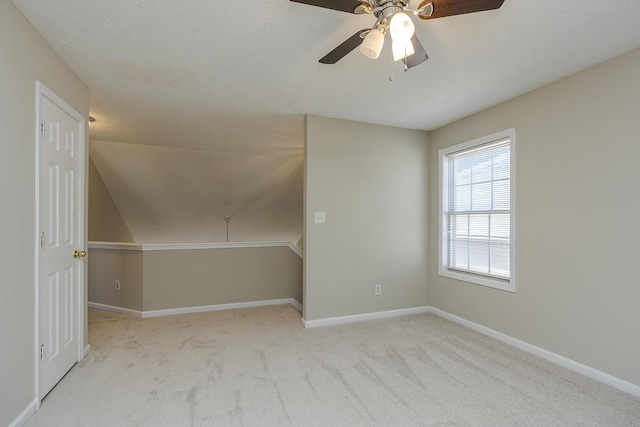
61,226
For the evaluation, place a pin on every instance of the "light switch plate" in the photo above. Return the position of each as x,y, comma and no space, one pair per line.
319,217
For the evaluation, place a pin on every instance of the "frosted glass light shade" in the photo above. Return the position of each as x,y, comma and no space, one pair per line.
401,27
372,44
402,49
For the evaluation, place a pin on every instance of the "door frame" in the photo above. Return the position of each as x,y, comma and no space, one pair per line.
81,303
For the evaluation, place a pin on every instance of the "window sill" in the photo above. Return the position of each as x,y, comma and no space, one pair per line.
479,280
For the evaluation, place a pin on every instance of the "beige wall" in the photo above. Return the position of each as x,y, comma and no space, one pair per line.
371,181
105,222
24,58
200,277
578,284
108,265
168,279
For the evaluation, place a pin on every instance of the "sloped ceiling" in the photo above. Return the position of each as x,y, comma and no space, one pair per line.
171,194
200,104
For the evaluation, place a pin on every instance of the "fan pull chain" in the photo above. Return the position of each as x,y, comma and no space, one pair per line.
404,60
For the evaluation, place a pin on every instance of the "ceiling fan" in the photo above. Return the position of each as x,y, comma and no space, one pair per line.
393,17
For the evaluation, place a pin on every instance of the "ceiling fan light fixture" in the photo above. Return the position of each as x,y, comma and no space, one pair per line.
402,50
372,44
401,27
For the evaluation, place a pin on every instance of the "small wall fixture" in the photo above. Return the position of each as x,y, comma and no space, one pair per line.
227,219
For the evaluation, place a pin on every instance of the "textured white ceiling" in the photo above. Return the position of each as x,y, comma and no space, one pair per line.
207,90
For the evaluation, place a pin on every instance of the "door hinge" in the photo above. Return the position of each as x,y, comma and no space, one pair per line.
42,352
42,240
42,128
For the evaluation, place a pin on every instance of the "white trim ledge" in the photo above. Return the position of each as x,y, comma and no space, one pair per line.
578,367
296,250
118,246
363,317
25,415
198,309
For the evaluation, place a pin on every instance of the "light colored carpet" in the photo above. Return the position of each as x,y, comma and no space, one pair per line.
260,367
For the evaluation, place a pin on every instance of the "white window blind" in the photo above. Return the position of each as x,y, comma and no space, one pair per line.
477,210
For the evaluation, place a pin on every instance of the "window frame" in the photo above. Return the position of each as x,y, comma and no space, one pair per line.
443,269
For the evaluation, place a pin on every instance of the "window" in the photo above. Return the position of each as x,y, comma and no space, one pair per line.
476,211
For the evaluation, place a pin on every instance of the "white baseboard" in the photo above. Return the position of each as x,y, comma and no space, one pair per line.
218,307
115,309
86,350
296,305
578,367
25,415
199,309
362,317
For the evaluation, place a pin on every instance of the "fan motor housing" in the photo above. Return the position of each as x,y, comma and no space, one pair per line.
385,9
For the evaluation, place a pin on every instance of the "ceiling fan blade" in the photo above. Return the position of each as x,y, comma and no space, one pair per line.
347,46
420,54
442,8
341,5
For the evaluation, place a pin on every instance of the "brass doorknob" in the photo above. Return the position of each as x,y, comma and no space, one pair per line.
79,254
